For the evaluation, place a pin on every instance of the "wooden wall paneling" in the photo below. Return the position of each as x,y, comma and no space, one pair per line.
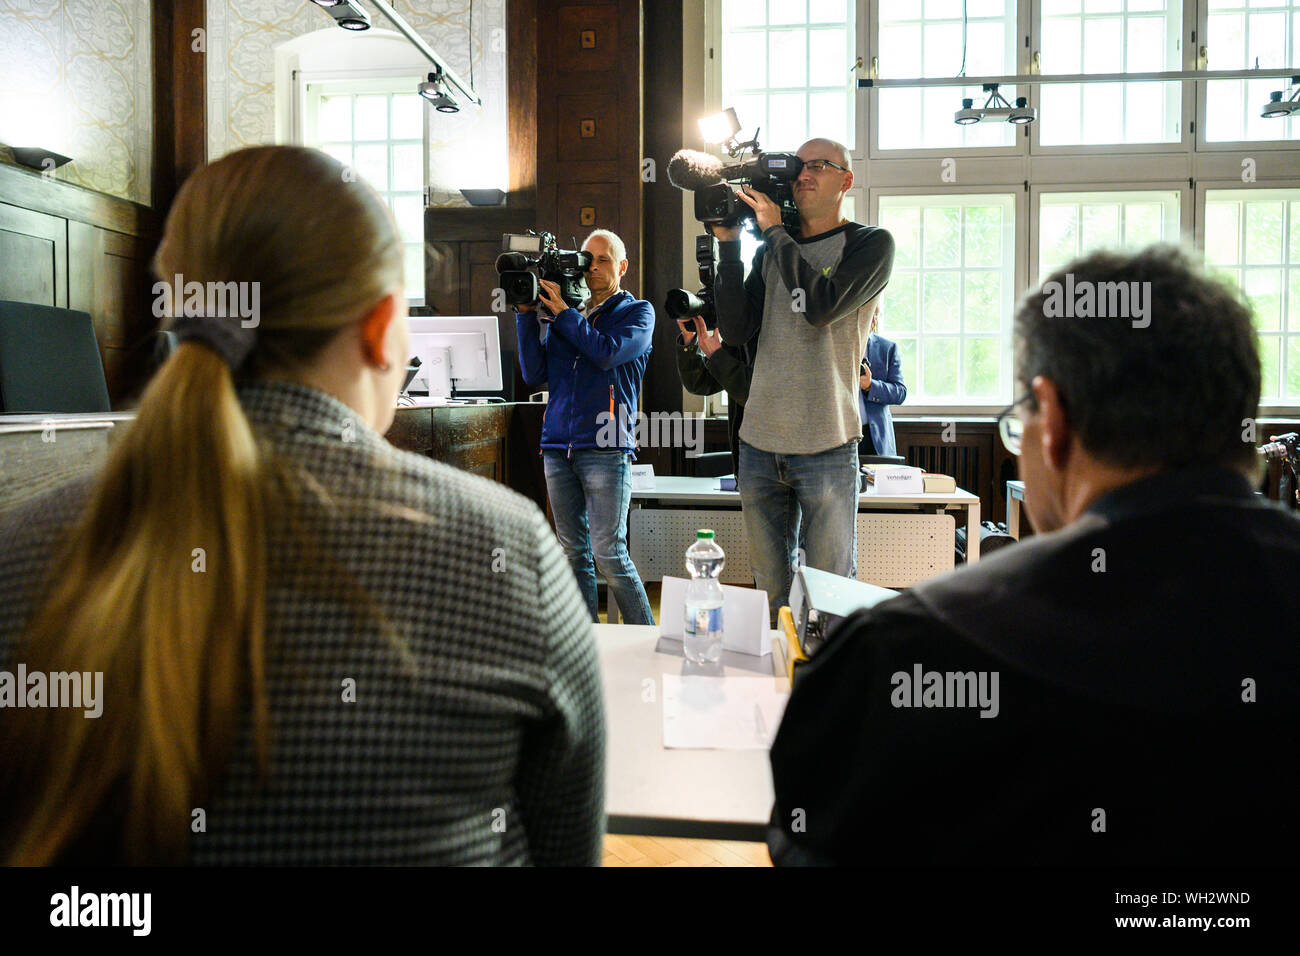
113,284
33,257
179,94
662,220
521,97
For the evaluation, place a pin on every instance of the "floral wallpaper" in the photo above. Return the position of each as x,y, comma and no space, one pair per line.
76,77
243,35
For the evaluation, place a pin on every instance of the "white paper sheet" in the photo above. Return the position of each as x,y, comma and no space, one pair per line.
721,713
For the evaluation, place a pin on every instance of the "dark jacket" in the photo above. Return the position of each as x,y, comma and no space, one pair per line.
1124,646
593,367
728,369
887,388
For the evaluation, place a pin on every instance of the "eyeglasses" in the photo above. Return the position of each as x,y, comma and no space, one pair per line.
1010,426
817,165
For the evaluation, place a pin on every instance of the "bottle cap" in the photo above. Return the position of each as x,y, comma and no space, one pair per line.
704,533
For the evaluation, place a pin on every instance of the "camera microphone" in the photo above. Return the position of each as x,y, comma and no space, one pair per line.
692,169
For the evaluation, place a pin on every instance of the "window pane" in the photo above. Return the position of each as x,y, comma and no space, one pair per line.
1264,290
372,165
942,237
982,360
982,301
1238,32
1263,232
334,119
414,263
788,50
1075,224
826,11
787,11
1270,359
409,212
952,303
1100,226
927,38
1222,238
939,310
827,116
746,57
1292,393
789,121
939,366
1137,37
371,117
899,307
408,116
830,58
408,167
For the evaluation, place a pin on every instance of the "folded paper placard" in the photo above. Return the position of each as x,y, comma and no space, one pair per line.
744,617
643,477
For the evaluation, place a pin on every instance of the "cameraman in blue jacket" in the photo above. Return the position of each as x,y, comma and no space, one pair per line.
593,358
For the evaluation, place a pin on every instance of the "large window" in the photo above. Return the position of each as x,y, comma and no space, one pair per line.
926,39
377,129
948,303
1110,36
1071,225
787,67
1252,238
1243,34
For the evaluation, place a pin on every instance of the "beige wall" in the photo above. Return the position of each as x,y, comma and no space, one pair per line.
243,35
76,77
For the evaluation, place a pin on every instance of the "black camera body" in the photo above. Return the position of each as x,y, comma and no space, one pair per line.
535,256
681,304
772,174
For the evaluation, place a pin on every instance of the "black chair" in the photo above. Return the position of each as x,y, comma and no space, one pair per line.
49,361
711,464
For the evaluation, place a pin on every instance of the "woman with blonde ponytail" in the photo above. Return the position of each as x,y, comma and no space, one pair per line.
314,648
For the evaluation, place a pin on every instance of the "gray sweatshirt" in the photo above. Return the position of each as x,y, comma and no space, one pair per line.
811,300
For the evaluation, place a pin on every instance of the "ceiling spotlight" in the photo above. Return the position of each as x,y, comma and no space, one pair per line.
1023,113
435,91
1277,107
347,13
996,107
966,115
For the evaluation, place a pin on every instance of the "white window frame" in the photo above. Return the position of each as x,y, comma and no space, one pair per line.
1187,61
1265,411
1203,101
1018,256
871,43
360,82
1036,193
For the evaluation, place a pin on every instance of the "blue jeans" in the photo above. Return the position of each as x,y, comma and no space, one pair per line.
776,491
590,494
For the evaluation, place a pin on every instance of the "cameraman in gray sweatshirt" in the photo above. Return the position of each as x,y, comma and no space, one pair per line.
811,294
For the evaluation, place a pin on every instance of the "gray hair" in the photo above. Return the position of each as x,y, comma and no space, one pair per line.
616,247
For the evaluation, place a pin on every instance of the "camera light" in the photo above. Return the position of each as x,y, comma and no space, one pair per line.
1277,107
967,115
720,127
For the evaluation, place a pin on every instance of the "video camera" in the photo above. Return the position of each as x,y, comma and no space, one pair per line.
714,185
681,304
534,256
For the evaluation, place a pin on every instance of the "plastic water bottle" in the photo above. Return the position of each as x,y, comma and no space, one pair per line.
702,637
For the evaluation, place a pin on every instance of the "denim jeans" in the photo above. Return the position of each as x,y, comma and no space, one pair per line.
590,494
776,491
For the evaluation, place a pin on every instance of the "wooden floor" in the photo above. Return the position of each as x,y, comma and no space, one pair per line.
669,851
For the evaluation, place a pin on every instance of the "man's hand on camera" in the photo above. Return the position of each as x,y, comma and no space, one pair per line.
864,380
688,331
710,341
724,233
551,298
766,212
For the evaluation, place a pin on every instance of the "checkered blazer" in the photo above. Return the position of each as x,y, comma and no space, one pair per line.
477,737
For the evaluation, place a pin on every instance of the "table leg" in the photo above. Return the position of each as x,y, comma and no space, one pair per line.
972,532
1013,515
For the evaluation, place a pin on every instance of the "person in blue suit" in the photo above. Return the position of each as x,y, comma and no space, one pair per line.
880,385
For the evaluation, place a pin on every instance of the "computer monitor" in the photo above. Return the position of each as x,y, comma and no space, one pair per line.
457,352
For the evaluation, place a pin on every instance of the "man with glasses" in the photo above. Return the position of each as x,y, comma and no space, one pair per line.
1110,691
804,313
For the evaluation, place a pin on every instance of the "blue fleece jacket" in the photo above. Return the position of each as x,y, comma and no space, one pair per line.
593,367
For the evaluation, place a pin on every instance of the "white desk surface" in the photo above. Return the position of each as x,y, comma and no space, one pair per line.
676,488
649,790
